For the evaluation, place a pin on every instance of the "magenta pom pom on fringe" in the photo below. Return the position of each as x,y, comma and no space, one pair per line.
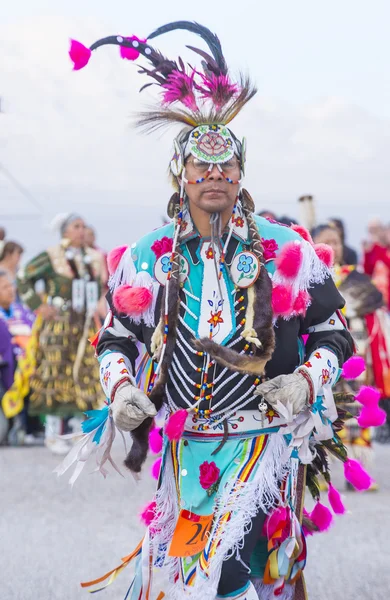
274,520
371,416
282,302
356,475
321,517
132,300
114,257
79,55
303,232
353,367
325,254
155,440
289,260
368,396
155,470
174,427
335,501
301,302
148,513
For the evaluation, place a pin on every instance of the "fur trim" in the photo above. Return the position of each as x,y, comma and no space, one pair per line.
139,450
114,258
251,365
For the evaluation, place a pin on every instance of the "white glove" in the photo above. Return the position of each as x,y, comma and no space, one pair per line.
292,391
130,407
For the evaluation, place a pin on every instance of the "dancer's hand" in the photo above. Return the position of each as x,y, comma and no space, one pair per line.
130,407
293,391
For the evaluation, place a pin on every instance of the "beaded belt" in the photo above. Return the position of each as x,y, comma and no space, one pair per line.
242,421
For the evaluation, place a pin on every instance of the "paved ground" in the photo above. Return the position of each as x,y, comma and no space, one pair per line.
52,537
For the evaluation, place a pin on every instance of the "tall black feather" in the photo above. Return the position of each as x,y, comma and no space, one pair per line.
210,38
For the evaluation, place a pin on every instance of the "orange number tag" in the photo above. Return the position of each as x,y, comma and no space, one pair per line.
191,534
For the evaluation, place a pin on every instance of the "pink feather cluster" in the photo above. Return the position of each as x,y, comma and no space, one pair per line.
321,517
180,88
353,367
325,254
79,55
335,501
219,89
131,300
174,427
114,257
371,415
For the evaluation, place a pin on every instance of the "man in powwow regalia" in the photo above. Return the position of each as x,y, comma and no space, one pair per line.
242,320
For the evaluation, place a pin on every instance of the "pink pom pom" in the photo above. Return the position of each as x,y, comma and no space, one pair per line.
289,260
79,55
132,300
303,232
155,470
175,426
155,440
148,513
371,416
282,302
130,53
335,501
354,367
325,254
321,517
301,302
356,475
114,257
368,396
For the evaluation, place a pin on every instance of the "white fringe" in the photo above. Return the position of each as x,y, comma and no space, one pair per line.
143,279
125,272
266,592
244,501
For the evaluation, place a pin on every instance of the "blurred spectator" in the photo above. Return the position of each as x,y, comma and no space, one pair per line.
284,220
10,255
349,255
377,257
3,233
7,366
328,234
267,214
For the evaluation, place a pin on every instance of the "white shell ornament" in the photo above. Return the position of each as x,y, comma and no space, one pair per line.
163,266
177,160
245,269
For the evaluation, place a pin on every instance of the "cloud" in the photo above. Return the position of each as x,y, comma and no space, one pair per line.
68,137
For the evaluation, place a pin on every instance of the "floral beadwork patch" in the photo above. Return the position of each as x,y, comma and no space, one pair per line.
245,269
163,267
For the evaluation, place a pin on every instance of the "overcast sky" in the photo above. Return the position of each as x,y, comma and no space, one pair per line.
320,123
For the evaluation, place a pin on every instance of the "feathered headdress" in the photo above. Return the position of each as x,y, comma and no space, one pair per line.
207,95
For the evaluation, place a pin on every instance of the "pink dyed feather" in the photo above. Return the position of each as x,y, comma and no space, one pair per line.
128,53
282,302
371,416
148,513
321,517
301,302
368,396
130,300
325,254
114,258
180,88
354,367
273,521
356,475
335,501
79,55
219,89
155,470
289,260
306,531
175,426
155,440
303,232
